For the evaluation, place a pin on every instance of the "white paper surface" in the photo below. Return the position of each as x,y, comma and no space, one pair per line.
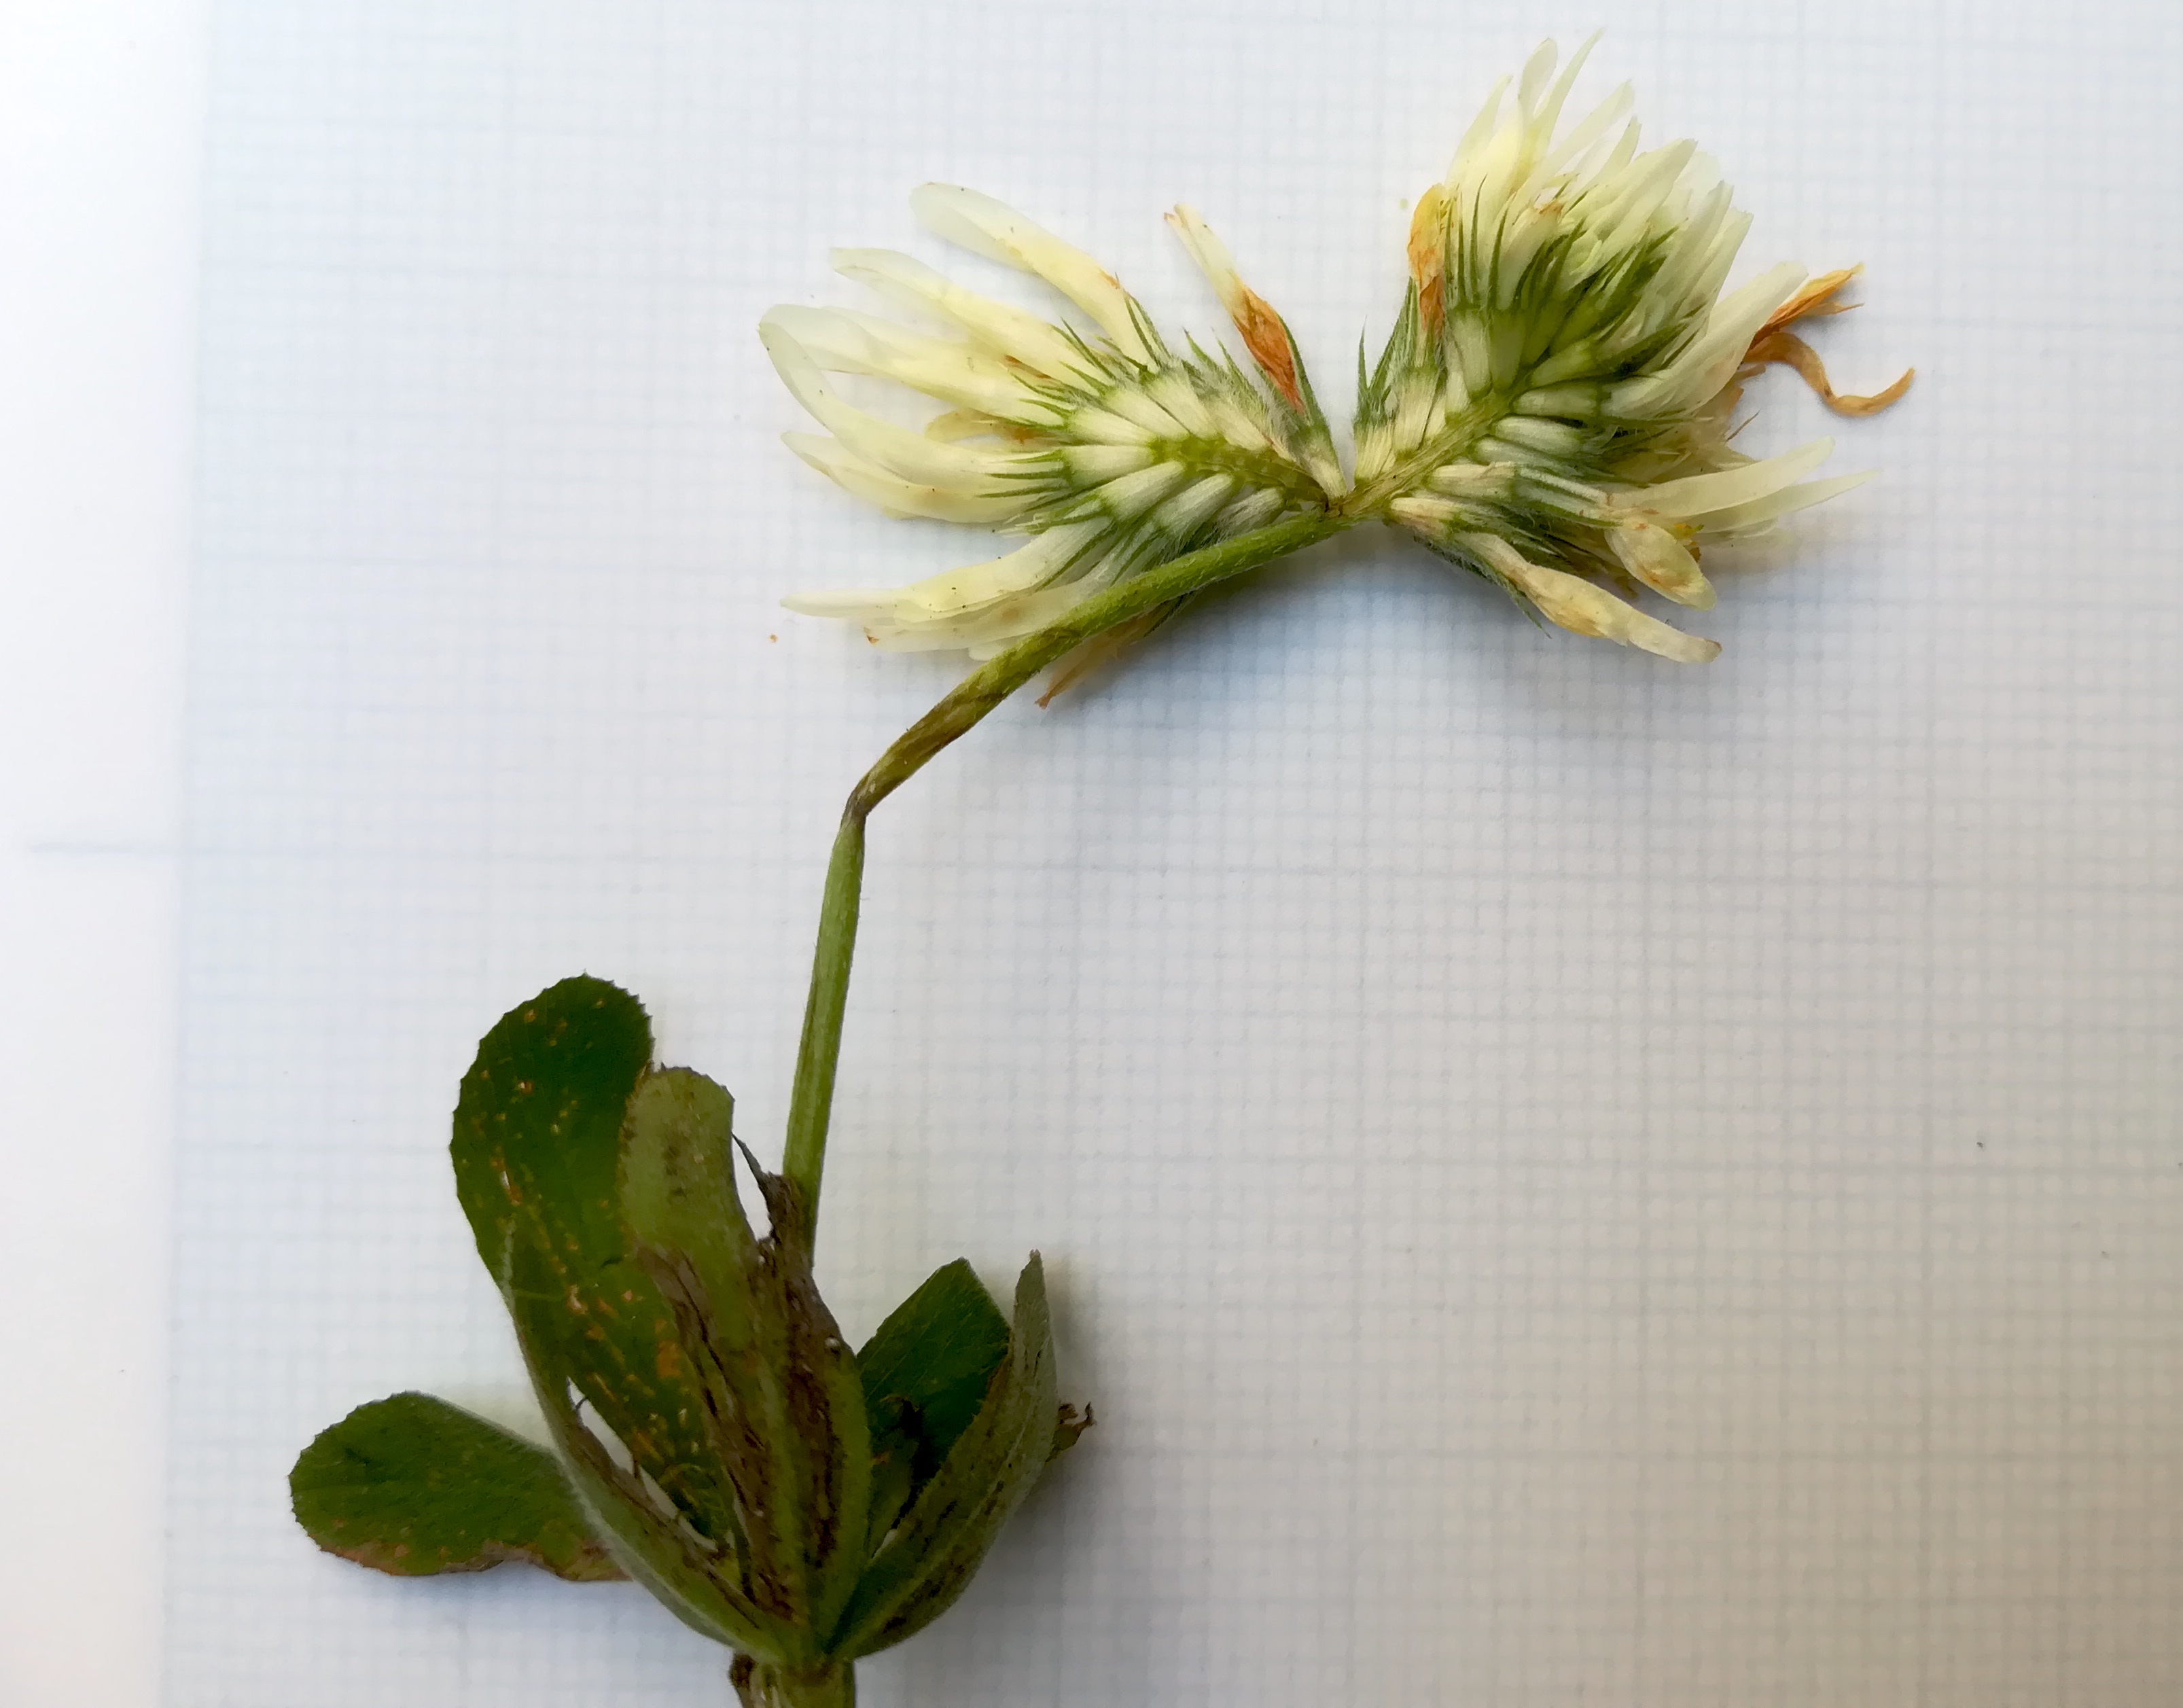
100,119
1567,1179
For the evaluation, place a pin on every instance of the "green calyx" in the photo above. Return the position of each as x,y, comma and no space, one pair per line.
713,1435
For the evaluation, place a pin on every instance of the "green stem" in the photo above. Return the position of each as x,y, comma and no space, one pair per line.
758,1685
811,1102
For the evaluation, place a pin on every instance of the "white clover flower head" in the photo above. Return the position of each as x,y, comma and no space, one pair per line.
1553,410
1111,451
1554,402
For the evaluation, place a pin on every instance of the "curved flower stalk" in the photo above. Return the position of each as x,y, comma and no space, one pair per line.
1554,411
1110,450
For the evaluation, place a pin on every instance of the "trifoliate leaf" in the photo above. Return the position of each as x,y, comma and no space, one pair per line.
538,1153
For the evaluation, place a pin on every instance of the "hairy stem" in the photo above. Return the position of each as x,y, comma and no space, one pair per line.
811,1103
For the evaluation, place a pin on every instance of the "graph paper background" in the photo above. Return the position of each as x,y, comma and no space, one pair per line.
1567,1179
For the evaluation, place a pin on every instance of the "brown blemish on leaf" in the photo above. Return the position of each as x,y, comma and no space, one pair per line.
585,1561
669,1362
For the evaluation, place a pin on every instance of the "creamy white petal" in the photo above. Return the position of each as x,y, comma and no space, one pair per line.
1235,427
1546,438
1697,496
1533,83
1474,140
1548,116
1427,512
1131,496
1254,510
994,627
1212,258
1637,205
953,426
1413,407
1138,406
1670,290
1473,479
910,455
1714,355
1584,609
1182,404
1188,511
1727,245
1568,156
848,342
986,227
1001,327
943,605
1002,628
850,604
976,585
1527,231
1616,161
1372,443
1662,562
1092,426
1761,513
1090,465
895,495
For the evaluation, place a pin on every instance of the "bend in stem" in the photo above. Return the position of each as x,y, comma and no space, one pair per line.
811,1102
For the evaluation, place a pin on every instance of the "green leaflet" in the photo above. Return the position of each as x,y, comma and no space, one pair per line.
785,1407
414,1486
536,1151
940,1540
937,1351
537,1154
540,1112
925,1374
